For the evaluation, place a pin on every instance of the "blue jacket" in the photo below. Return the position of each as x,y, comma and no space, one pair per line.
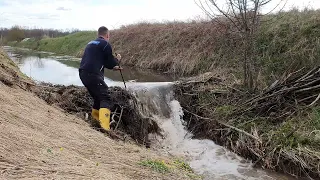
97,56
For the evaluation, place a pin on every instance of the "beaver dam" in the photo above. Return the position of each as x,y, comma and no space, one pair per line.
147,113
125,116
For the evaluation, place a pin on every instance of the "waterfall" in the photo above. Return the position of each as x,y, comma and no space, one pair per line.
204,156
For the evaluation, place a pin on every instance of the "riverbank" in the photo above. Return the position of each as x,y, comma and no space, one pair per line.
286,139
290,40
39,141
278,129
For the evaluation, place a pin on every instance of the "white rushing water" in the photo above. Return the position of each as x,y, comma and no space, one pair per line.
204,156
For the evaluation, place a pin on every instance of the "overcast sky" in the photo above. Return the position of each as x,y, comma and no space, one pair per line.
89,15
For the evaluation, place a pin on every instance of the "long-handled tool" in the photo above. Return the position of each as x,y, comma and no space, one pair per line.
123,80
122,75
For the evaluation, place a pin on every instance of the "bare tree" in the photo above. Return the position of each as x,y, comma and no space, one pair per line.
245,18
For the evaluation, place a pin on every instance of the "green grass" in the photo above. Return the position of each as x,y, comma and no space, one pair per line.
164,167
70,44
293,41
224,110
300,131
156,165
182,165
67,45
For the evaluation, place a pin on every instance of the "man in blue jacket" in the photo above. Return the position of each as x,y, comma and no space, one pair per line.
97,56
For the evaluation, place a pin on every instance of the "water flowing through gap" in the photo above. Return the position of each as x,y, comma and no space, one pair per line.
156,99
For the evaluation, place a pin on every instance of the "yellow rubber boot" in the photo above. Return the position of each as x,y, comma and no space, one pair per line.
95,114
104,117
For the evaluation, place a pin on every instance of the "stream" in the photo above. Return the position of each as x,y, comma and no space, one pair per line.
154,92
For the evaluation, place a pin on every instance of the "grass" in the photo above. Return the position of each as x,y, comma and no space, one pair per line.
165,167
68,45
305,131
224,110
156,165
292,42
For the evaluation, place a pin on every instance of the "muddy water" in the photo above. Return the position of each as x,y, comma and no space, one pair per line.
155,96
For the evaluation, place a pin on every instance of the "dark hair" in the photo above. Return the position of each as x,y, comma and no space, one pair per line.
102,31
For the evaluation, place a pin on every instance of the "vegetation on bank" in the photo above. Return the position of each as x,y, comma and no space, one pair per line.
289,41
17,33
278,129
68,45
164,167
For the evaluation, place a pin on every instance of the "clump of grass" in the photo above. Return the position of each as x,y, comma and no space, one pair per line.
156,165
300,131
224,110
182,165
163,166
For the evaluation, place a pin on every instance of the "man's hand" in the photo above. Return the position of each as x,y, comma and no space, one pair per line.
117,68
118,56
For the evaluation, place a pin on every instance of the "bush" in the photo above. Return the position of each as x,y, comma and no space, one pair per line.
15,34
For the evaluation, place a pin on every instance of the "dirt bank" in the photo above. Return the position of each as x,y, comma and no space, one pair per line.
277,129
39,141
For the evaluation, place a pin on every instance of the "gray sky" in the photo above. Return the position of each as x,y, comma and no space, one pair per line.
89,15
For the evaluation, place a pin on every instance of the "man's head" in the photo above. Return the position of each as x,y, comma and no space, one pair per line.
104,32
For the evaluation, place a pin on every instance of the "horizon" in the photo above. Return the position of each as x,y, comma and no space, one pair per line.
67,15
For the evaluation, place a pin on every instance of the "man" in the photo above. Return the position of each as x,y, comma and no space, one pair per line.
97,56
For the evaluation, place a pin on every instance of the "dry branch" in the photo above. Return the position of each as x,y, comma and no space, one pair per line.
290,93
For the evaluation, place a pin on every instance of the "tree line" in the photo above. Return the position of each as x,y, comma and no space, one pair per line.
17,33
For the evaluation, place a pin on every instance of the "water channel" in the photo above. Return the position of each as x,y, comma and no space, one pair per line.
154,90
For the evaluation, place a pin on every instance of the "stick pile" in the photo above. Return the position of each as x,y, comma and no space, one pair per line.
285,96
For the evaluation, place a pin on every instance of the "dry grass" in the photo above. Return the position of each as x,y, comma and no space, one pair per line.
38,141
33,134
176,47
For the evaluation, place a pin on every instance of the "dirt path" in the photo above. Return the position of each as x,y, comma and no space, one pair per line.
38,141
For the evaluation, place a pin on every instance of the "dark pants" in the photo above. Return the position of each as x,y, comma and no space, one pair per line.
97,88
